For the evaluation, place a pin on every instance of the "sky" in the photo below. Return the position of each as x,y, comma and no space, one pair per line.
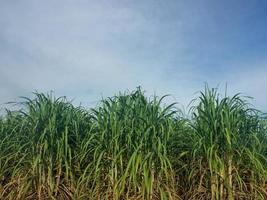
87,50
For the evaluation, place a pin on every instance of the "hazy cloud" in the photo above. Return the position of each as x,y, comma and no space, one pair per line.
85,49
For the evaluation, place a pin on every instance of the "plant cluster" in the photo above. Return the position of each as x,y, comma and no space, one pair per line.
134,147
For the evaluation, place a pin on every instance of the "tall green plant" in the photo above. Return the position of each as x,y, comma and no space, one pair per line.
226,134
129,146
133,147
48,132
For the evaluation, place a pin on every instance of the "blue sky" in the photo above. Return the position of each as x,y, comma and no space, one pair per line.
88,49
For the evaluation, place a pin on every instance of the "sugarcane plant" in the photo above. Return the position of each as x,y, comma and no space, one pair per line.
131,146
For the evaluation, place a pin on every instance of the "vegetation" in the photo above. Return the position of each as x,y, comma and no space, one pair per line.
134,147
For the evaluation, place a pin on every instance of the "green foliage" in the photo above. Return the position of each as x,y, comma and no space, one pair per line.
133,147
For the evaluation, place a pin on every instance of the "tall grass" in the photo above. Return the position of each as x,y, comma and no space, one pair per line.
133,147
228,159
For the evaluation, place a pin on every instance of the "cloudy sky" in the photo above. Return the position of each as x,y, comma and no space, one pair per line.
91,49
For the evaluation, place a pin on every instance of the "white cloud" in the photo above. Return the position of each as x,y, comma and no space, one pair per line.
72,48
85,49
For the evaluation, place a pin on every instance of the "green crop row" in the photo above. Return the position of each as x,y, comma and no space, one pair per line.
134,147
